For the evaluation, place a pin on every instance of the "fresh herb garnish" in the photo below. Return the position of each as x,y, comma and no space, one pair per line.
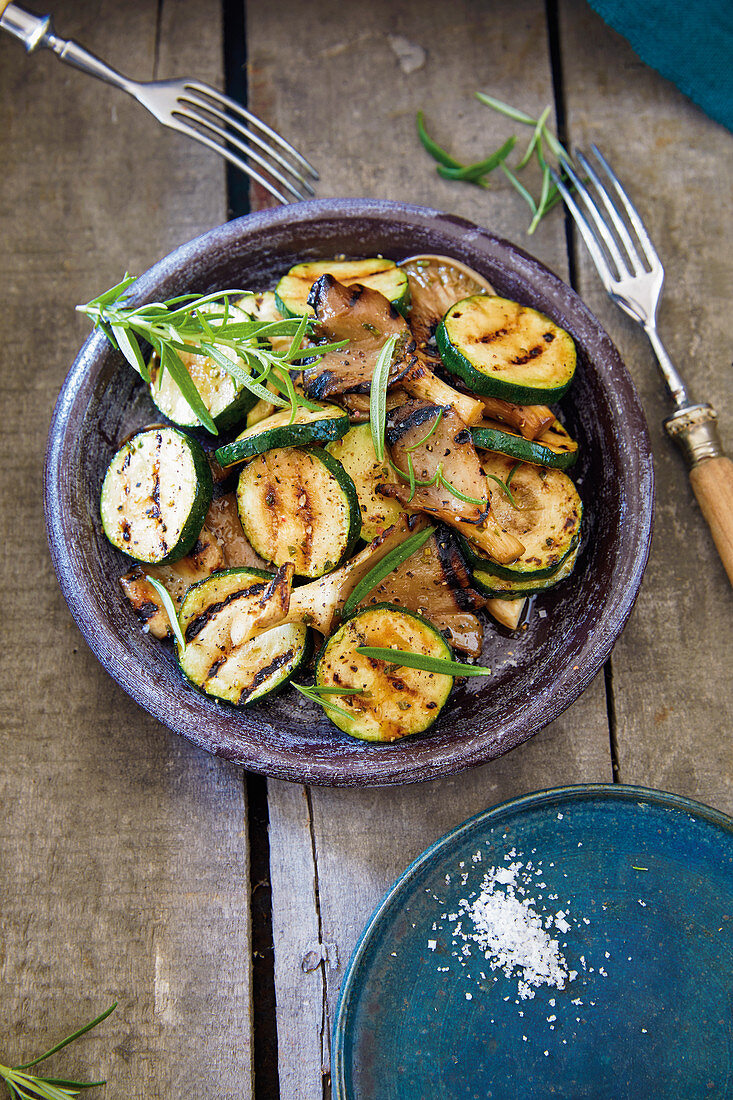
22,1084
170,610
542,137
311,693
382,569
438,478
205,325
504,486
405,659
378,396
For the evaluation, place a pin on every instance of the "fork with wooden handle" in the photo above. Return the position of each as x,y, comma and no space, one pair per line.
632,273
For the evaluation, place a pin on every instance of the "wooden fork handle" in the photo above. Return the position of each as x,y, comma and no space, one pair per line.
711,474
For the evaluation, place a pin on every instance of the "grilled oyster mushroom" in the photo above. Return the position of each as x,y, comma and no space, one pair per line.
435,443
435,582
531,421
204,558
366,319
437,283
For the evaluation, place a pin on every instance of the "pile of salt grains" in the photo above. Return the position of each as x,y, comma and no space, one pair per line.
501,923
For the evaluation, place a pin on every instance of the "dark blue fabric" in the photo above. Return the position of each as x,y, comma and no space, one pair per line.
688,41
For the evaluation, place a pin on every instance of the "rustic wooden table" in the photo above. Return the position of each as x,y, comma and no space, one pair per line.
133,866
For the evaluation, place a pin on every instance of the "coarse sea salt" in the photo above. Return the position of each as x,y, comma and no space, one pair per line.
503,925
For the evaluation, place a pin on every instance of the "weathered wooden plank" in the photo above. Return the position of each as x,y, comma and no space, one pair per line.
671,668
123,851
350,105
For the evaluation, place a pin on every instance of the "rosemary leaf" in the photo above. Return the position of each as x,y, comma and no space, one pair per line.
505,109
432,147
520,188
504,486
425,438
171,361
70,1038
128,345
405,659
536,137
382,569
542,204
309,693
457,492
170,610
473,173
378,396
323,689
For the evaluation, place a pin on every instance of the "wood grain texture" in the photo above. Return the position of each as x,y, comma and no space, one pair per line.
123,851
350,104
712,484
671,668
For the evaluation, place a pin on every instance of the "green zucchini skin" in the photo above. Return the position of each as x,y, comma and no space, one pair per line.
244,673
291,293
155,496
558,451
398,702
299,505
547,520
310,426
506,350
500,588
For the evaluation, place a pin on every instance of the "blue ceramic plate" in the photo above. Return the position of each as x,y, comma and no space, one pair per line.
572,943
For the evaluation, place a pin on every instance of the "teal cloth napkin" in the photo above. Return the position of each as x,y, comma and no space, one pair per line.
688,41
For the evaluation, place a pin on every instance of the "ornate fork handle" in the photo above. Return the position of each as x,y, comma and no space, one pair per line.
37,32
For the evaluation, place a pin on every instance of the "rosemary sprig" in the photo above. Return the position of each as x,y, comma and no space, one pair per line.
450,168
382,569
23,1084
209,325
378,396
406,659
170,609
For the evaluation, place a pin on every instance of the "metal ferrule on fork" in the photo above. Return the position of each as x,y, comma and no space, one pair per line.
695,432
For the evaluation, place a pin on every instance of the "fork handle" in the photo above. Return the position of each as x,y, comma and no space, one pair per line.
711,473
37,31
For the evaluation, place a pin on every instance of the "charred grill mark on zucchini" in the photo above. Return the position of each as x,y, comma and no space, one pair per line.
314,519
506,350
155,495
218,657
195,626
395,701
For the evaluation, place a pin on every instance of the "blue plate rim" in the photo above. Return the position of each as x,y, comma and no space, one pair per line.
572,793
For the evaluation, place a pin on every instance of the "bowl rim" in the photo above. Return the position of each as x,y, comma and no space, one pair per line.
410,764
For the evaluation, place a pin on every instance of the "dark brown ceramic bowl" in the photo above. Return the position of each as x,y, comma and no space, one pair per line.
537,673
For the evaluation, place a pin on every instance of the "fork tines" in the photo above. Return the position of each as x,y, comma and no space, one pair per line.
245,141
600,219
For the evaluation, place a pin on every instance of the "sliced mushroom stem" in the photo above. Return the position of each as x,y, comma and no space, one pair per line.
531,421
421,382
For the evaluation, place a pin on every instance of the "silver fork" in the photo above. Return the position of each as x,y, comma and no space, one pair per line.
188,106
632,273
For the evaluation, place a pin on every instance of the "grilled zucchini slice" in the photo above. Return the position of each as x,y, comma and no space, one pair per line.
396,701
242,673
355,451
155,496
309,426
499,588
227,401
291,293
299,505
555,448
541,508
506,350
